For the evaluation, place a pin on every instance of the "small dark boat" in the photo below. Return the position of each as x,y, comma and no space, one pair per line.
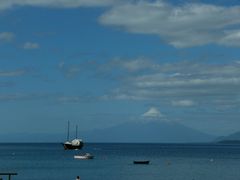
141,162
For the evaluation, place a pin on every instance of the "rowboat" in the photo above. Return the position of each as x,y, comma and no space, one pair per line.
141,162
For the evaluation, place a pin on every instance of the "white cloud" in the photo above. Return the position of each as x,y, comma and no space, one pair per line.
182,84
158,81
136,64
6,4
131,65
190,24
232,38
183,103
6,36
185,25
70,71
153,112
31,45
24,97
13,73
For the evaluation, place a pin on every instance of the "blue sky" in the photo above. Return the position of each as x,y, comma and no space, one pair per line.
102,63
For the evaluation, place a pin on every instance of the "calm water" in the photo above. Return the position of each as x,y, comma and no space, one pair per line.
114,162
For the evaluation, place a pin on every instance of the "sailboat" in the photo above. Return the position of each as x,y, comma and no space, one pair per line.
73,144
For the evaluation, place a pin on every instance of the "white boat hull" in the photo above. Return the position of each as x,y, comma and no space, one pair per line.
86,156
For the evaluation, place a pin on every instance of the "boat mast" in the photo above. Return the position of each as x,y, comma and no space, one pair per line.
76,131
68,131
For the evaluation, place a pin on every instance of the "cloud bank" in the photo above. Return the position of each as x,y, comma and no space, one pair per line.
180,25
183,84
186,25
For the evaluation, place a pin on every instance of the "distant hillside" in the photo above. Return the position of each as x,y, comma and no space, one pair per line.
232,138
139,132
32,137
151,132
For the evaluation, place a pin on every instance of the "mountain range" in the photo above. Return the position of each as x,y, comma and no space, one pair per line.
130,132
235,138
149,132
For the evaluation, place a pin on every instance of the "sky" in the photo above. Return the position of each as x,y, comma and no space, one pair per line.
102,63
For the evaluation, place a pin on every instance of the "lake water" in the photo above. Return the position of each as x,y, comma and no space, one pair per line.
115,162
